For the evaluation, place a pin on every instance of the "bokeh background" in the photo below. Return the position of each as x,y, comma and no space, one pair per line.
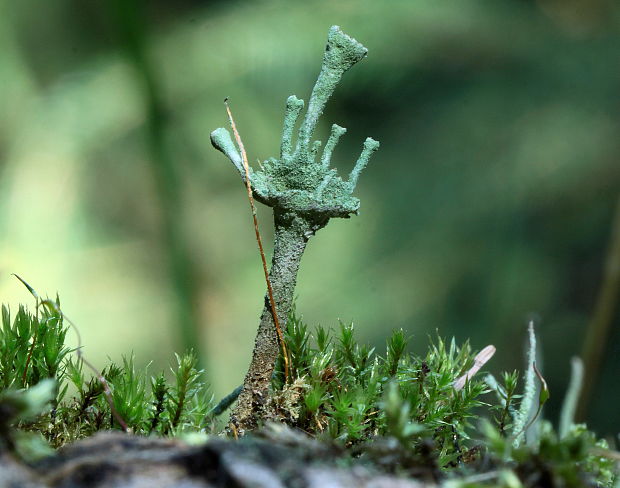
490,203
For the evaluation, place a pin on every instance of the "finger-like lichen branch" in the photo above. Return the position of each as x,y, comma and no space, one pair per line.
370,146
293,109
334,137
220,138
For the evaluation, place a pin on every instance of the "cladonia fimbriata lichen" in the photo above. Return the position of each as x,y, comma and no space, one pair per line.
304,193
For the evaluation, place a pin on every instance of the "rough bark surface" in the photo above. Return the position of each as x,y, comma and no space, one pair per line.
116,460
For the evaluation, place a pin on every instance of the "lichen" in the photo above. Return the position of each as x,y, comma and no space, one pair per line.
304,193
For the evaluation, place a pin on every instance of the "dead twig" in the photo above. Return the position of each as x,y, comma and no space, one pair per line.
479,361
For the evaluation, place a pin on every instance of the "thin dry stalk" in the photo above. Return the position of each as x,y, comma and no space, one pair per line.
248,186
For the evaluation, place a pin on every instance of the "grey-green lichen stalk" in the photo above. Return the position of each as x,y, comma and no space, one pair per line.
304,193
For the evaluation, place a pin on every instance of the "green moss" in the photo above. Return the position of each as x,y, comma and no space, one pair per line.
396,411
33,352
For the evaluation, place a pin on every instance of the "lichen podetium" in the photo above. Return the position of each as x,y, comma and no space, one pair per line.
304,193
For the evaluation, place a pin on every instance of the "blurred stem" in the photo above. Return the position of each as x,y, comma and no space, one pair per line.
597,334
17,87
131,24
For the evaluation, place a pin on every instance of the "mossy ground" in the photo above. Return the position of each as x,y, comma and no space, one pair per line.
395,412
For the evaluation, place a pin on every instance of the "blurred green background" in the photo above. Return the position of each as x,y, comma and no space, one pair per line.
490,203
